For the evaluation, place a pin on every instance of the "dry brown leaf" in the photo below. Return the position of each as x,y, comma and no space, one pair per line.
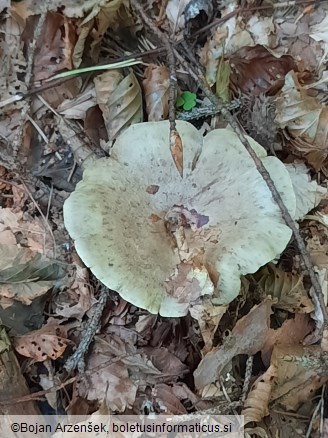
248,337
176,148
233,35
211,53
305,120
182,392
302,38
292,332
256,404
166,362
120,101
167,401
78,298
255,71
49,342
111,382
56,44
13,67
300,372
77,107
286,287
156,87
94,127
102,15
108,16
28,231
208,317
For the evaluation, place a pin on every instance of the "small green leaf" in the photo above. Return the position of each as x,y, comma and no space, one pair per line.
187,100
188,96
190,104
179,101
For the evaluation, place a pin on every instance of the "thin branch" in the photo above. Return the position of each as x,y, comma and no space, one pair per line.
206,111
77,358
248,376
176,147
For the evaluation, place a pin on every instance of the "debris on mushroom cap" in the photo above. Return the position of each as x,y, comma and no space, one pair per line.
162,241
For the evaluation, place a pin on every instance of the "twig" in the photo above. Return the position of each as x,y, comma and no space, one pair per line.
47,215
206,111
77,358
248,375
167,43
37,395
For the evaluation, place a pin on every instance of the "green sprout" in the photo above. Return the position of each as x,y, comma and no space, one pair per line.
187,101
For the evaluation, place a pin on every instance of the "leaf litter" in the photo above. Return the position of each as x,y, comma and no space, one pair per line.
204,275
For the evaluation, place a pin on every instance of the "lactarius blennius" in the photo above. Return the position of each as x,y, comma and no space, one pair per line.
162,241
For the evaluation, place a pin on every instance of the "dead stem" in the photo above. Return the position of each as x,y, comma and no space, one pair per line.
176,146
77,358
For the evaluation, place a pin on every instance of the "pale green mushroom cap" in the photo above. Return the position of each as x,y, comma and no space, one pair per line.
118,212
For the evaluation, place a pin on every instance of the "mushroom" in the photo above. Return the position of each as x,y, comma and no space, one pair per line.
161,240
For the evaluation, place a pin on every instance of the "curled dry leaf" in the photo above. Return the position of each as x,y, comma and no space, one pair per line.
56,45
78,298
77,108
305,120
286,287
255,70
25,274
176,148
120,101
156,87
256,404
194,236
103,15
208,317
